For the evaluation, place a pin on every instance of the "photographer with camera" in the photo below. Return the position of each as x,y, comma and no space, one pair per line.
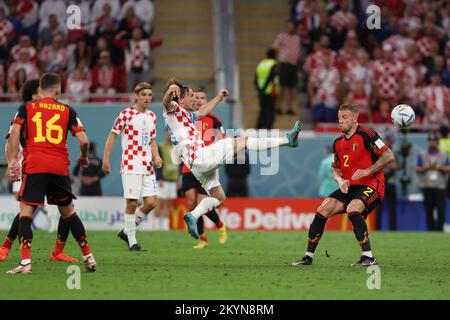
434,166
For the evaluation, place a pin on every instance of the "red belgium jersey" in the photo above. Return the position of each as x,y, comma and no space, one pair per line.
45,123
360,151
207,127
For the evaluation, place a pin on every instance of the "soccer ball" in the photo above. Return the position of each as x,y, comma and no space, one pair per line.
403,116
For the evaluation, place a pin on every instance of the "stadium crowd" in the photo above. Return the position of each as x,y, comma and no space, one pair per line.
108,55
406,60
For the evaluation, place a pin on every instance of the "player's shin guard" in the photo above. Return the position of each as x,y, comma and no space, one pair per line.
315,232
78,232
360,230
14,229
25,238
214,216
207,204
260,144
63,234
200,226
139,216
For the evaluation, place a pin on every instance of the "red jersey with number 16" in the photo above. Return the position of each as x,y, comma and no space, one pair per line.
360,151
45,123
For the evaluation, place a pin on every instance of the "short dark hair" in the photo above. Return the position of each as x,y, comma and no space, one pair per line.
348,106
49,80
183,89
271,53
142,86
29,88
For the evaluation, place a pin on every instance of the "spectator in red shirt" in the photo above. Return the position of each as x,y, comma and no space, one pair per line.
105,77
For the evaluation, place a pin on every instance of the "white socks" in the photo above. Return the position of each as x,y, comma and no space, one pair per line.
130,228
367,254
24,262
260,144
309,254
140,216
206,205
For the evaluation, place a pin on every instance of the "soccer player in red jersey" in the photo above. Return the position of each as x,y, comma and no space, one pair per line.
209,127
359,156
29,92
45,168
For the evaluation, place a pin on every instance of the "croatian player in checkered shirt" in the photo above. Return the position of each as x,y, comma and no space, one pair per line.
203,161
137,125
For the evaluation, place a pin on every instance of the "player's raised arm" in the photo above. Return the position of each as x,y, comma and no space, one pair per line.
106,167
172,92
208,107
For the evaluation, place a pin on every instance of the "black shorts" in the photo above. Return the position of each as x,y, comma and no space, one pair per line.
288,75
36,186
191,182
368,195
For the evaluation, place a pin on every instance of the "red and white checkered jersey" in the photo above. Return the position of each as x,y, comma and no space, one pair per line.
326,82
341,19
424,44
14,53
30,68
288,47
400,44
315,60
138,129
6,29
387,76
355,71
413,80
437,101
186,139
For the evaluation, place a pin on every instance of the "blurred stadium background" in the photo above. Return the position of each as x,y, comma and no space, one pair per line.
218,44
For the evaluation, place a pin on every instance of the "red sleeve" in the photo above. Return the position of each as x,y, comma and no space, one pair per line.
336,163
21,116
75,125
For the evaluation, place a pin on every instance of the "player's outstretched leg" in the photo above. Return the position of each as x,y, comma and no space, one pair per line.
9,240
362,235
203,243
314,235
206,204
261,144
61,239
292,135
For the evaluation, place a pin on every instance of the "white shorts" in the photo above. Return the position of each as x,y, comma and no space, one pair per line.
167,190
206,164
138,185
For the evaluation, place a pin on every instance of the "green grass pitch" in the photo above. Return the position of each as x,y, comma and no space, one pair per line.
252,265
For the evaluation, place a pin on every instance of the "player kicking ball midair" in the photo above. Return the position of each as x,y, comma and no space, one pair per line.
29,91
359,156
137,125
203,161
208,127
45,169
